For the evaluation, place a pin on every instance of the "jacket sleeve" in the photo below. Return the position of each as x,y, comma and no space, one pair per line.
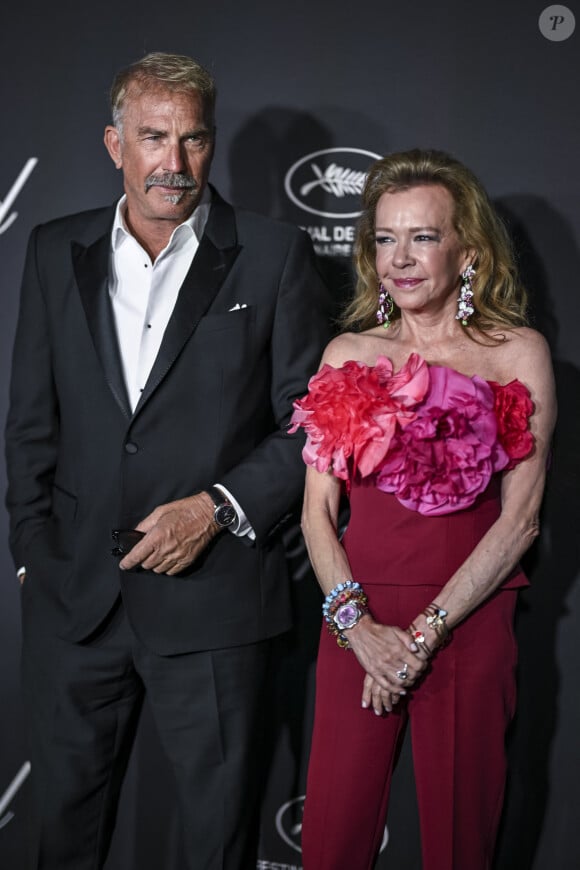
269,482
32,423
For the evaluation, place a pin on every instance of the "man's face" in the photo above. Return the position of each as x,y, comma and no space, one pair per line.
165,152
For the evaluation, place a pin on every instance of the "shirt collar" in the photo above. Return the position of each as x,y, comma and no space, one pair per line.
195,224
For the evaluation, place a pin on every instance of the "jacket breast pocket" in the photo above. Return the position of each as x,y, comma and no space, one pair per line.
237,320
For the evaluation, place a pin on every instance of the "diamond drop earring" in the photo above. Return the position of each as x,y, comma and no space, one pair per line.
465,300
385,308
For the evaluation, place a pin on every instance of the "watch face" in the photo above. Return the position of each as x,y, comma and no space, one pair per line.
347,615
225,515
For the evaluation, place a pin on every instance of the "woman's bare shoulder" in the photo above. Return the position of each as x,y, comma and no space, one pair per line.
524,346
526,356
347,346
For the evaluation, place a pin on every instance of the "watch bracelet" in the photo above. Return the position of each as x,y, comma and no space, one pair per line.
358,598
338,596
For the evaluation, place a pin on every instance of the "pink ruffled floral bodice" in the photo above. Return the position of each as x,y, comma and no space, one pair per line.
429,435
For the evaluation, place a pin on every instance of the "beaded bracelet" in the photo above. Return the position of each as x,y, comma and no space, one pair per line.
348,592
341,593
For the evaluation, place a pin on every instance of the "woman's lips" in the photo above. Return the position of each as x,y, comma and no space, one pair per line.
405,283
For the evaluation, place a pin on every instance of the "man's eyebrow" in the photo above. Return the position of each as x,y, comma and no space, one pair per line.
151,131
202,130
154,131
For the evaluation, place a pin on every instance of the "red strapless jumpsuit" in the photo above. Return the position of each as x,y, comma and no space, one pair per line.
458,714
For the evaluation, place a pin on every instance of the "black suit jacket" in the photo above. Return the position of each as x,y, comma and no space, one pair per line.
215,409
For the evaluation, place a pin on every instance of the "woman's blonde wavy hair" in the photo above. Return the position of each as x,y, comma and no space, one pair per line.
500,300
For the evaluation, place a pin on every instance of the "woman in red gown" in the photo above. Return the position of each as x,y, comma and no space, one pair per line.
437,421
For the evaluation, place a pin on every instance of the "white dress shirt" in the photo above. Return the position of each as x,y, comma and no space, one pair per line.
143,296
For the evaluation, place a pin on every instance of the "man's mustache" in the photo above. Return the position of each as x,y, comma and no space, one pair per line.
170,179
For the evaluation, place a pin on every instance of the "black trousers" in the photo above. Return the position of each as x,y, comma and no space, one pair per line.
83,703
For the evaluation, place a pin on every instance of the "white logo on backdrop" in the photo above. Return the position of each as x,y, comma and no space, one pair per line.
6,204
337,172
264,864
557,23
289,823
10,793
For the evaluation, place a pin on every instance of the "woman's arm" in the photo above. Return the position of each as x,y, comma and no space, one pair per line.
522,489
381,650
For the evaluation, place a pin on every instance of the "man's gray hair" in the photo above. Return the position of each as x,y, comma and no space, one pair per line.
161,71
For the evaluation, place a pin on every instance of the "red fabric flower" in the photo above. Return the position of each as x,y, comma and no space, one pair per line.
513,409
445,458
350,414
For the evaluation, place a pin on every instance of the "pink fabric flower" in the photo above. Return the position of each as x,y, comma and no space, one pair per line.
350,414
430,435
444,459
513,409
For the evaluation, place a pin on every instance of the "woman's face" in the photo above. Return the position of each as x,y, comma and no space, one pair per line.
419,257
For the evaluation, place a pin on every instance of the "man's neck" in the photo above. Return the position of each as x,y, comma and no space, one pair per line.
153,236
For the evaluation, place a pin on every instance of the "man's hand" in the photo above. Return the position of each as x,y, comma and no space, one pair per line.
175,535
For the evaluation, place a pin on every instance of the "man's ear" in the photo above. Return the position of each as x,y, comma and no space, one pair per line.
113,145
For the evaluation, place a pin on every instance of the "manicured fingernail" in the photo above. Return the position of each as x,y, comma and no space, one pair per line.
364,705
413,647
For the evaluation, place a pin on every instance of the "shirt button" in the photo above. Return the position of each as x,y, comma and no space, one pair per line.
131,447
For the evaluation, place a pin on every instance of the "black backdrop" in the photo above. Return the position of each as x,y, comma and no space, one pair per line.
483,81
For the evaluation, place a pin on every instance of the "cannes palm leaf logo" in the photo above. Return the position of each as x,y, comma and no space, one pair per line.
329,182
336,180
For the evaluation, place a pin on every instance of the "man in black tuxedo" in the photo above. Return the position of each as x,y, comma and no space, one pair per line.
159,347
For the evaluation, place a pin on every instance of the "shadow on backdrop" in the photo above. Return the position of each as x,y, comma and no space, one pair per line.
552,564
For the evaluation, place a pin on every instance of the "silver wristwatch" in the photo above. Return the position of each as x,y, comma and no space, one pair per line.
348,615
224,512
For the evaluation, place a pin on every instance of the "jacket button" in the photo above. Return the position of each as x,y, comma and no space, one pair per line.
130,447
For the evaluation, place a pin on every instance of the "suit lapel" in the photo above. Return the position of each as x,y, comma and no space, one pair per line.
211,265
91,268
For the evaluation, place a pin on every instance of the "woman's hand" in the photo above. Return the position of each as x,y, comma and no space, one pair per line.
391,659
378,699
